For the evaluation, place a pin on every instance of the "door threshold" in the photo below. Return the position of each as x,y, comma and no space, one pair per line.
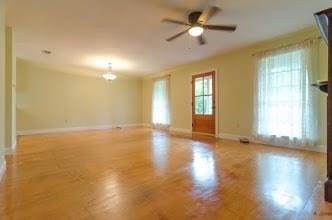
205,134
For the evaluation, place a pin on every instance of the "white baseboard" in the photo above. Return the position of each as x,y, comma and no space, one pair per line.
147,125
180,130
2,168
73,129
235,137
318,148
321,148
11,150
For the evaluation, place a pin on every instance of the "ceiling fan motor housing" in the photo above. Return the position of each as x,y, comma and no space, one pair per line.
193,17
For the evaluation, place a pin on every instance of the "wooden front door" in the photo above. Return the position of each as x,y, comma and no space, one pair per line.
203,103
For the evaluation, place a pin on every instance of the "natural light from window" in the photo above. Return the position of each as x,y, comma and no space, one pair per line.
285,103
160,105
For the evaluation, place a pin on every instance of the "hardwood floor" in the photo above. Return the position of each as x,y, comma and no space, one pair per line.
144,174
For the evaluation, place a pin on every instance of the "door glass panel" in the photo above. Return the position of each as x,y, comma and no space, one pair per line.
199,105
199,86
208,85
208,105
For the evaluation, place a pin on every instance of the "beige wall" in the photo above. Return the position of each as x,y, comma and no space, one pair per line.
2,83
50,99
147,100
236,70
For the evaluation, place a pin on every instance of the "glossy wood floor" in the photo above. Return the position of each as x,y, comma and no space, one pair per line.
144,174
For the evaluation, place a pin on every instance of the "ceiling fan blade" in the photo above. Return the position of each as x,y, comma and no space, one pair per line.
201,40
220,27
177,35
208,13
168,20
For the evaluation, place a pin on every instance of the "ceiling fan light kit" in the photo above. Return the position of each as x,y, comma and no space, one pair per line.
196,24
196,31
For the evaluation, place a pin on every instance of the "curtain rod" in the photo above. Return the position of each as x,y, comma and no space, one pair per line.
287,45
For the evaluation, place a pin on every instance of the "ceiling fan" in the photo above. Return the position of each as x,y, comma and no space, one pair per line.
196,24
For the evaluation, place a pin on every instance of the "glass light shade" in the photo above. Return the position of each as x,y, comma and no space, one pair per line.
109,76
196,31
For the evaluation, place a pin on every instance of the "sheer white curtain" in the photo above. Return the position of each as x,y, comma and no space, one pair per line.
160,103
286,106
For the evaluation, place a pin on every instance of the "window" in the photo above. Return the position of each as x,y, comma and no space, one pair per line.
203,95
160,102
285,102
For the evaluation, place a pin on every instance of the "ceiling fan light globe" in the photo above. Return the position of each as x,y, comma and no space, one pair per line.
196,31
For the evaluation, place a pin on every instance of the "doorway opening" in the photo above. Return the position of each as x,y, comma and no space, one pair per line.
203,103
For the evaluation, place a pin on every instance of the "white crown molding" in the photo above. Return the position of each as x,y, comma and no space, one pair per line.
73,129
2,168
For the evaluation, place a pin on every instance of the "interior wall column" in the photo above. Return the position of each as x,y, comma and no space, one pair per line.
328,183
8,91
2,87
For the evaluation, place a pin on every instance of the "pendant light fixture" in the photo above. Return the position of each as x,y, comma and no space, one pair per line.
109,76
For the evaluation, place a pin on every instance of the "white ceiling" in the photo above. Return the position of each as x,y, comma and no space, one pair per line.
89,33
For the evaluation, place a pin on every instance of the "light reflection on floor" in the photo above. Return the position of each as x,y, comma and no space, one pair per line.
160,153
280,180
203,172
